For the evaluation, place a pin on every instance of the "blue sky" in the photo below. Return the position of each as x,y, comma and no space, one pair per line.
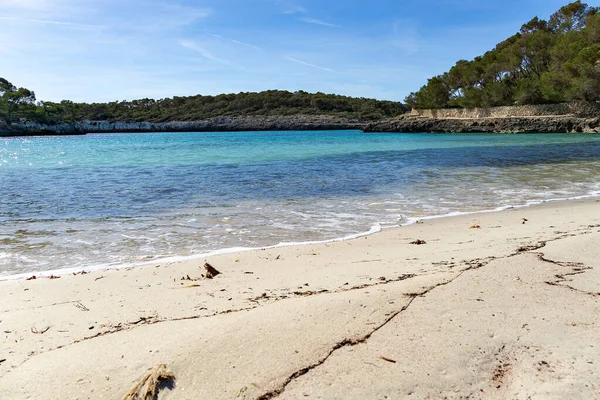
104,50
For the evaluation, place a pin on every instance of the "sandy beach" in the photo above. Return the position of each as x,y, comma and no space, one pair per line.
501,305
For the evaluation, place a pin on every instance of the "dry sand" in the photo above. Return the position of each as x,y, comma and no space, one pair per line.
505,311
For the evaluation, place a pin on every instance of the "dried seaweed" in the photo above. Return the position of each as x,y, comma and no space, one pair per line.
148,386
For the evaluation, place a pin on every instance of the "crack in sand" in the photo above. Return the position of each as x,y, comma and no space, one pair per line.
42,306
472,265
152,320
577,268
120,327
355,341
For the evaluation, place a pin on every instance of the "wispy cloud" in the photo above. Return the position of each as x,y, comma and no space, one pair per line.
30,4
290,8
235,41
193,13
308,65
166,17
42,21
318,22
188,44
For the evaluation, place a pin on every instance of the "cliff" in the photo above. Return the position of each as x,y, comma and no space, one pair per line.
222,124
579,117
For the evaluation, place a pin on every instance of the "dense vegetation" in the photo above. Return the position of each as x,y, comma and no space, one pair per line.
546,62
19,103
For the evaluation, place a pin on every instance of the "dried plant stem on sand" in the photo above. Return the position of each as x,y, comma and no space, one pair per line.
147,388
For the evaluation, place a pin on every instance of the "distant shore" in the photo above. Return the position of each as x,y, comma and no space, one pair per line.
424,121
221,124
399,125
580,117
491,305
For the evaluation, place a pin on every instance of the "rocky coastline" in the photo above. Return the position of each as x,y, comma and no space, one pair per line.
576,117
221,124
581,117
564,124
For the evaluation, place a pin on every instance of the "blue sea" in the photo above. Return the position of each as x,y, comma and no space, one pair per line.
105,200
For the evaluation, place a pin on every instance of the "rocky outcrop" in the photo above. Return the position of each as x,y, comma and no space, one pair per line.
575,109
488,125
221,124
555,118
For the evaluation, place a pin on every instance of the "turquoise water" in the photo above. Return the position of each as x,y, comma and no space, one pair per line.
112,199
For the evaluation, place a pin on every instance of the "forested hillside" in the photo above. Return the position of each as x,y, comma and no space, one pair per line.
551,61
20,103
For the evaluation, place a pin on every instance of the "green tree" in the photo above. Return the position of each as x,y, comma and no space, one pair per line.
545,62
15,101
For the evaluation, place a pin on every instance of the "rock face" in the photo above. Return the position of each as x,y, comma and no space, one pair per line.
581,117
225,124
579,109
566,124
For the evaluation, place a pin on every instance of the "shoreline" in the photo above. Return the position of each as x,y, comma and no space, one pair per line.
375,229
494,305
217,124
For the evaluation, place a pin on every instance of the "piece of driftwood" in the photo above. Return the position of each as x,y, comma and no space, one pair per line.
475,227
418,241
211,272
148,386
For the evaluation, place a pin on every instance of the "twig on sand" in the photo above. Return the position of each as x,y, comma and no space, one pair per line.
147,388
387,359
418,241
39,331
211,272
81,306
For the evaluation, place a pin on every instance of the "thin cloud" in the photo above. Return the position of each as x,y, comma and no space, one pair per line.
318,22
188,44
308,65
43,21
191,12
235,41
290,8
165,17
30,4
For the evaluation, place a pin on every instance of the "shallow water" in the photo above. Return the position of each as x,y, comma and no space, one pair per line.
109,199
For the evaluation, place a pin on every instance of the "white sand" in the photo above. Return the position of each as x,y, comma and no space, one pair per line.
472,313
